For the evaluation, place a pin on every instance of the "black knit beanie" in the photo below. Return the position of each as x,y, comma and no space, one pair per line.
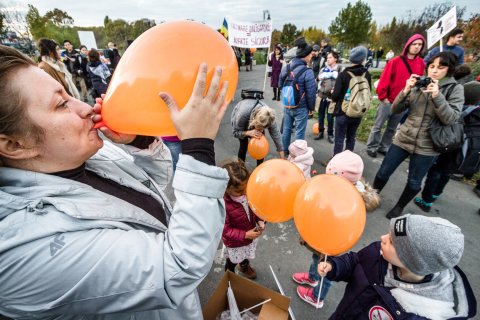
303,48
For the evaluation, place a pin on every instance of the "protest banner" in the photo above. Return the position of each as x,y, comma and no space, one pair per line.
442,27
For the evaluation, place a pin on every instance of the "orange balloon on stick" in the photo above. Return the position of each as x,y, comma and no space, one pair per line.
272,188
258,147
161,60
253,50
329,214
315,128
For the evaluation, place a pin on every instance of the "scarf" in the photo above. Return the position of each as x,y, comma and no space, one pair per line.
59,66
433,299
243,201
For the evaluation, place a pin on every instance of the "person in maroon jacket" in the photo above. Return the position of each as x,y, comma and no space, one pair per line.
242,226
391,82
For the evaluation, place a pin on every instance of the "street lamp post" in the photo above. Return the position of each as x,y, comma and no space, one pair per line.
266,14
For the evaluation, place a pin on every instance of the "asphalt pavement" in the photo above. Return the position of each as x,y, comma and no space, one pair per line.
279,245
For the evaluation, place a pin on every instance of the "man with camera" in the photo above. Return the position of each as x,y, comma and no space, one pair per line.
391,82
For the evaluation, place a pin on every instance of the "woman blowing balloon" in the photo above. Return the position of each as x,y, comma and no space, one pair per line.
85,226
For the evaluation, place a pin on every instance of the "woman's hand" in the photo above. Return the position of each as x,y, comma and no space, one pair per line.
324,268
410,83
254,134
110,134
201,116
433,88
252,234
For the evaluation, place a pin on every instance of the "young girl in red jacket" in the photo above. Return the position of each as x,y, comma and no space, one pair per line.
242,226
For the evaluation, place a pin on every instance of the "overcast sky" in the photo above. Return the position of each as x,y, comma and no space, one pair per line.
304,13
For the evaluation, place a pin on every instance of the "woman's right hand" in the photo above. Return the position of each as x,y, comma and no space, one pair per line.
201,116
252,234
254,134
324,268
410,83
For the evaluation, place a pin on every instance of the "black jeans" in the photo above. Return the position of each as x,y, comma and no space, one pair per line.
345,129
242,151
323,108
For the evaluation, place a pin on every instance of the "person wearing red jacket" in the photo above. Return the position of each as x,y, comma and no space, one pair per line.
391,82
242,226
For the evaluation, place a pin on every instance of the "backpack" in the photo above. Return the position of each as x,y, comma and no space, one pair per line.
358,97
290,92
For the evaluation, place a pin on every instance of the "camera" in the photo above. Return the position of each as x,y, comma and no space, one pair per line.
422,82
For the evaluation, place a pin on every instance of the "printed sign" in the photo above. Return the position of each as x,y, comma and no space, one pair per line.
442,27
87,38
250,34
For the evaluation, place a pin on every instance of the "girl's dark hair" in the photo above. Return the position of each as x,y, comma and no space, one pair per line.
81,47
237,171
447,59
93,55
14,119
48,47
335,55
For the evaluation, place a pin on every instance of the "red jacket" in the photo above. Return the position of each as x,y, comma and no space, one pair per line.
395,74
237,224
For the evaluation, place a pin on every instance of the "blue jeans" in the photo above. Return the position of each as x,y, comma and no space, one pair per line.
300,117
417,168
175,148
321,117
345,129
313,275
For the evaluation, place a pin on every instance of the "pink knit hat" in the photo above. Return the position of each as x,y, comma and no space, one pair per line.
346,164
298,147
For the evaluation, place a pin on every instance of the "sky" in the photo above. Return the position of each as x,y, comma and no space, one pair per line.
303,14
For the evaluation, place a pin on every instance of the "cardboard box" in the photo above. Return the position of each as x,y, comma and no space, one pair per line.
247,294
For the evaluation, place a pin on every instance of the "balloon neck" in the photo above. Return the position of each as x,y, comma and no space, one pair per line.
99,125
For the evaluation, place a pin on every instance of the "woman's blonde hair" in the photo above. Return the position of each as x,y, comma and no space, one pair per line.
262,117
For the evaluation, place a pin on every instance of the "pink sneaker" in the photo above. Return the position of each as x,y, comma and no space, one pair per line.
302,278
306,294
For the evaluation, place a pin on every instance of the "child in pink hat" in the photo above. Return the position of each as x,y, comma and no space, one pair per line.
350,166
302,156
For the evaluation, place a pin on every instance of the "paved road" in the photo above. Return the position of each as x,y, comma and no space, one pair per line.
279,245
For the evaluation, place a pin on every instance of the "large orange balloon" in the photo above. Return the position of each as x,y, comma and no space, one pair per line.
164,58
315,128
258,148
272,188
329,214
253,50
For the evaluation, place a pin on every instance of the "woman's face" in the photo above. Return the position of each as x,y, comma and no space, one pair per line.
69,137
331,59
277,51
437,71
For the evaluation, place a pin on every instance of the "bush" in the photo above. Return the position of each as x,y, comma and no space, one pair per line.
259,56
475,68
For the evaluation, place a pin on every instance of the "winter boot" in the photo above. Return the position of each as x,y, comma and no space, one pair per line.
274,94
247,270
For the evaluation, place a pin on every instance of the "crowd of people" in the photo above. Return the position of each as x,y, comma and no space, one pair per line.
87,229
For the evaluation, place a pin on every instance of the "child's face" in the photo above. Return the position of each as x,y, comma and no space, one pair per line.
388,250
237,191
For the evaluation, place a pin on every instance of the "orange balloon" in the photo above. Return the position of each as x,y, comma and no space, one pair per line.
165,58
271,189
315,128
253,50
258,148
329,214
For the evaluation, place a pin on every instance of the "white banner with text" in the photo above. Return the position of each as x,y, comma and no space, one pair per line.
257,34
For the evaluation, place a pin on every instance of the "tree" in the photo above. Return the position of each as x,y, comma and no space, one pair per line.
352,24
472,32
289,34
313,35
276,38
106,20
140,26
59,18
373,35
118,32
3,23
